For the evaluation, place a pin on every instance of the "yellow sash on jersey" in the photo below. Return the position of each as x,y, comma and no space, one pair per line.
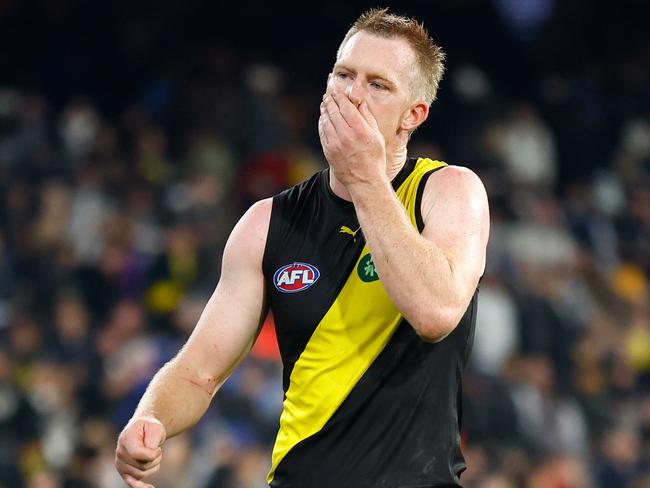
353,332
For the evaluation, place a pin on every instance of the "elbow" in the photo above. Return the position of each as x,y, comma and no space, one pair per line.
433,325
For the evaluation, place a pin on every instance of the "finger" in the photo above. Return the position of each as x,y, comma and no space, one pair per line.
135,483
321,126
347,109
138,474
334,113
153,434
124,457
328,128
137,451
127,448
321,132
367,115
152,464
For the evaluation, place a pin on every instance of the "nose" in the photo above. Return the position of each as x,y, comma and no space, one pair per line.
354,91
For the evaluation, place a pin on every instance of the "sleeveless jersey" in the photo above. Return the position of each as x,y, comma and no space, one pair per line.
367,403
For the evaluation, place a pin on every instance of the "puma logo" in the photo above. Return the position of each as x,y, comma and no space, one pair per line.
346,230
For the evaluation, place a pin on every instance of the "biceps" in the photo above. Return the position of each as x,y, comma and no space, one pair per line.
227,328
461,233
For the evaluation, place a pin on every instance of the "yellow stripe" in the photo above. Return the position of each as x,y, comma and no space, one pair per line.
345,343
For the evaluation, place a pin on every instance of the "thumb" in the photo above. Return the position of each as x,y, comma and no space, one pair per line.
154,434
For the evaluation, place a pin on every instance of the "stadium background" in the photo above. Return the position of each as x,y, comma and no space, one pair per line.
134,134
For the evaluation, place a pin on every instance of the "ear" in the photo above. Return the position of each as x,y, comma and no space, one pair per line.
416,115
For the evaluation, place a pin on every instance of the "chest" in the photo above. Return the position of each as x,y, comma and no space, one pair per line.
313,256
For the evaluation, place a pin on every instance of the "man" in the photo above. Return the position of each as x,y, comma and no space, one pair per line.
371,270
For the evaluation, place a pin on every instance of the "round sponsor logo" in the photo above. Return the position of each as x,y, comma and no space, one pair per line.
366,269
295,277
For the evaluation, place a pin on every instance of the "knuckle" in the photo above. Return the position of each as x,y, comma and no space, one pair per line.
136,473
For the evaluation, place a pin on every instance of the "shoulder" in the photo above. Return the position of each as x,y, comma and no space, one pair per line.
455,190
258,213
303,189
453,183
248,237
455,179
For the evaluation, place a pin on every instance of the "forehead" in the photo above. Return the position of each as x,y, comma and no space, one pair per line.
370,53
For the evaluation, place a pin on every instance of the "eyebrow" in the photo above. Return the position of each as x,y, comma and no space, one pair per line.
371,75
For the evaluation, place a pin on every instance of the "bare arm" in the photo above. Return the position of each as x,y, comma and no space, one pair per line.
180,393
182,390
430,277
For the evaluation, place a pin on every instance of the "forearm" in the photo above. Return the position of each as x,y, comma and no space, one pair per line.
418,276
177,398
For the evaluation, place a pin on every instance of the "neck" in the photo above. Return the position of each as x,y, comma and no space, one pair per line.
393,166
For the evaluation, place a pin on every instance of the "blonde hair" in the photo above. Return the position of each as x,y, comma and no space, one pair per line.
429,56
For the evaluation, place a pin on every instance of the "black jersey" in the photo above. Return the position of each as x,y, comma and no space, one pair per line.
367,402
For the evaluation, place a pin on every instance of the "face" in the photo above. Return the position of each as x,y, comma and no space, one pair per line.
379,71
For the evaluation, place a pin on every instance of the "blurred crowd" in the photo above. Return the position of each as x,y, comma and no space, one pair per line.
113,221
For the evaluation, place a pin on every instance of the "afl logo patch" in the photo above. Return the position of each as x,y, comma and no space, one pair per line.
295,277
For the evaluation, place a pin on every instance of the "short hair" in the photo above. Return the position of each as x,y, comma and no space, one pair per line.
429,56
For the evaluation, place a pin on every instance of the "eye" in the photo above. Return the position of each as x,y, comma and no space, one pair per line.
342,76
377,86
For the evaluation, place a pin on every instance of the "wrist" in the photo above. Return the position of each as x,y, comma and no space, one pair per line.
363,189
147,417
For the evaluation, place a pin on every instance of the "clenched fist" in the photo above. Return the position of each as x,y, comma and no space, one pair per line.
138,453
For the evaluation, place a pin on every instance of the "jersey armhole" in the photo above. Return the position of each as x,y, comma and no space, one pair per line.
418,197
272,238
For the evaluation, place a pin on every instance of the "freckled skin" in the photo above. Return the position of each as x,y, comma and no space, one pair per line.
365,124
366,117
